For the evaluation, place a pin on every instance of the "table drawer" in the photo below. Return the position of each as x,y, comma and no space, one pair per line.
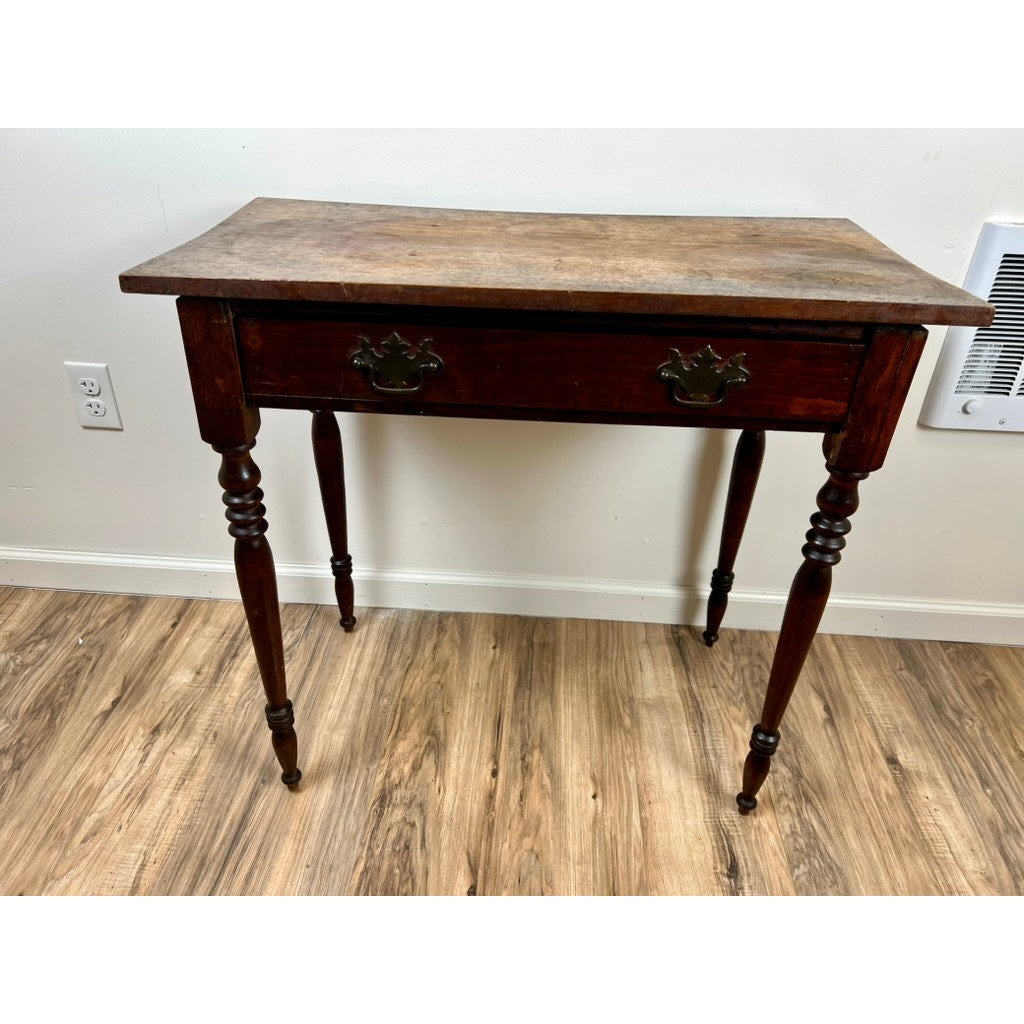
667,373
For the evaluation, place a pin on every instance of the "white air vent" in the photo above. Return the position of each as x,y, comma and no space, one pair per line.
979,380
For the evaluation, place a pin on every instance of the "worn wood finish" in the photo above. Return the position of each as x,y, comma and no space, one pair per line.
330,471
761,323
772,267
746,467
492,754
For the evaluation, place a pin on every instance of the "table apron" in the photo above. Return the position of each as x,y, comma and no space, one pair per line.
438,369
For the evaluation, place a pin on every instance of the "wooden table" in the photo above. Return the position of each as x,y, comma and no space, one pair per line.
750,323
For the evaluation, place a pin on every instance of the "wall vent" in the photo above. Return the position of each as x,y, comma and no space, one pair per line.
978,382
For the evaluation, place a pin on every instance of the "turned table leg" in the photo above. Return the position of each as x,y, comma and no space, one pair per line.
746,465
330,470
254,566
837,501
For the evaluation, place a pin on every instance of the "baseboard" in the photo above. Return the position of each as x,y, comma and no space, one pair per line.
515,595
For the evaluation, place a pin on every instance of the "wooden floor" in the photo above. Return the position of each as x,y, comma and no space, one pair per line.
481,754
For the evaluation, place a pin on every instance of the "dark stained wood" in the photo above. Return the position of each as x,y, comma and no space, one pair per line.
882,386
230,424
331,306
501,368
254,566
746,467
837,501
330,471
541,322
769,267
216,374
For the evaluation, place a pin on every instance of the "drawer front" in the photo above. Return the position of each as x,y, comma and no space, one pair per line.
367,363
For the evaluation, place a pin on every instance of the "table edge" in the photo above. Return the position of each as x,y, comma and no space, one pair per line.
628,303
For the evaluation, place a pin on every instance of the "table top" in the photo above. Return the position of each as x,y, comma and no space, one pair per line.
765,267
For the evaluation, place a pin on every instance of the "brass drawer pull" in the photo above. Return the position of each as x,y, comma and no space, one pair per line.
398,368
701,379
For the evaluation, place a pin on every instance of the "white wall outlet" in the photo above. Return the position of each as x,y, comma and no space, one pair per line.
94,395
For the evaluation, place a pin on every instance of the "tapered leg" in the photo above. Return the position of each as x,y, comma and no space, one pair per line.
257,582
837,501
330,469
746,466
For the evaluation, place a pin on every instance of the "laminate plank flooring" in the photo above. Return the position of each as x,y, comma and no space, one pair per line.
481,754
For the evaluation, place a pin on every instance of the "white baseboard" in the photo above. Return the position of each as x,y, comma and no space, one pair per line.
516,595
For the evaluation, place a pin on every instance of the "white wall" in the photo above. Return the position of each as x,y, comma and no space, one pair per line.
562,519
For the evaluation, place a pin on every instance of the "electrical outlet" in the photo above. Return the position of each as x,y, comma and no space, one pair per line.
94,395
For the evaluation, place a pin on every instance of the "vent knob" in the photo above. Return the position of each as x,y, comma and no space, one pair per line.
972,405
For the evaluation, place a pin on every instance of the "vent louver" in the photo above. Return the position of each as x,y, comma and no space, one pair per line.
979,380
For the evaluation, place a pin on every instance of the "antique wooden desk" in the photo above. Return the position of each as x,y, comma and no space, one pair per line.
751,323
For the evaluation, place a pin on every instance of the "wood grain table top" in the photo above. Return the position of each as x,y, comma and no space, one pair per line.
764,267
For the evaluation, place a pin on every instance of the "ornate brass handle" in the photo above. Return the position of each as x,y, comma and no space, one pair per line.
398,368
700,380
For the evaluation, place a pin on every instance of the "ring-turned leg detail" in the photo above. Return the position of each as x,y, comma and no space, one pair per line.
837,501
282,735
330,471
746,467
344,591
257,584
718,601
755,770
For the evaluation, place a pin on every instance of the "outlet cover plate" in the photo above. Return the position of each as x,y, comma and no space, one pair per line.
96,409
